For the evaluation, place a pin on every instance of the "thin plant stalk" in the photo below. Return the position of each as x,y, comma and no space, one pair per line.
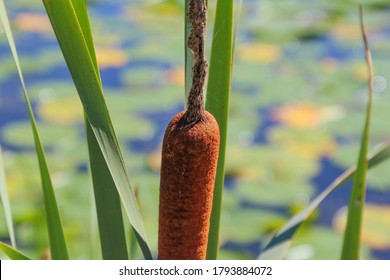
352,235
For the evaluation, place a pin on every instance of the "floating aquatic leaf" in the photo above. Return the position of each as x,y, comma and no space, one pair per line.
18,135
375,229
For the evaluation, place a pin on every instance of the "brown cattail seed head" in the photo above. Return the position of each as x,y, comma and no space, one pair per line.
188,169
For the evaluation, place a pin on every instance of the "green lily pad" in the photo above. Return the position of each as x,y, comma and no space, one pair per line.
62,111
242,128
247,225
8,68
376,225
128,126
258,165
275,192
42,61
305,143
379,177
19,134
317,243
145,99
141,77
51,91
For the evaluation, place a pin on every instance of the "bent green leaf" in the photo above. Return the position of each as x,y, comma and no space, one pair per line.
107,200
12,253
86,79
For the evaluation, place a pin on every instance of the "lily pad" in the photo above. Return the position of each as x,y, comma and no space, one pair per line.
50,91
376,225
130,126
145,99
379,177
248,225
274,193
317,243
19,135
259,164
306,143
62,111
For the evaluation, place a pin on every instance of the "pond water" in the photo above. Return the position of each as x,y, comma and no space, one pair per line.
298,97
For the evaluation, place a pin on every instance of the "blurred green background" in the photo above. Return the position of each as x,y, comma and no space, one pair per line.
297,110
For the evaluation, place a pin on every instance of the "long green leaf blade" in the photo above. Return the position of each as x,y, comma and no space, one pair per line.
108,204
107,200
217,103
6,203
277,247
86,79
12,253
56,235
352,235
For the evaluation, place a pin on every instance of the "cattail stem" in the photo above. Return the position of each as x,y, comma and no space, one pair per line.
197,15
189,162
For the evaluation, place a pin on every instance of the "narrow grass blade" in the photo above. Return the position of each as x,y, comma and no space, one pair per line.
12,253
352,235
108,205
277,247
217,103
86,78
56,235
5,202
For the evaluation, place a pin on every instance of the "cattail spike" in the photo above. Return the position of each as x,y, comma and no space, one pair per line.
188,169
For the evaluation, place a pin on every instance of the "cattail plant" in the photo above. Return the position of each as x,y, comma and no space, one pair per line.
189,162
192,181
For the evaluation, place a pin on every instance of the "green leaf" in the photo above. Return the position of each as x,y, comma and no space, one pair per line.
6,203
352,235
133,246
86,78
107,200
108,204
278,245
217,103
56,235
12,253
